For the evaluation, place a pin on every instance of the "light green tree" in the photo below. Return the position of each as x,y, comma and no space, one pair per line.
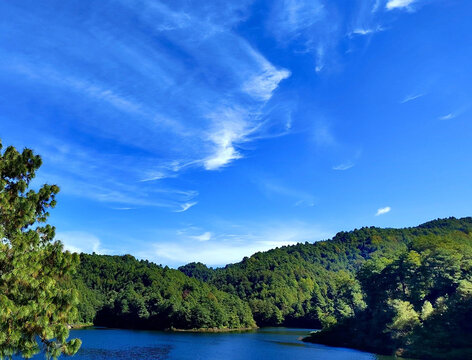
404,321
36,303
426,310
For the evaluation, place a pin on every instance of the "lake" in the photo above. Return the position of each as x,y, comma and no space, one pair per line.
265,343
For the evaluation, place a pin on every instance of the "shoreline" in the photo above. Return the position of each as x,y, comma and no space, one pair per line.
196,330
212,330
79,326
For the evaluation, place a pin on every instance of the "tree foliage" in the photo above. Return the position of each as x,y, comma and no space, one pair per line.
310,285
121,291
418,302
36,305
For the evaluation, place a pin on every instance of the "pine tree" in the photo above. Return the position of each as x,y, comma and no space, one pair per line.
36,303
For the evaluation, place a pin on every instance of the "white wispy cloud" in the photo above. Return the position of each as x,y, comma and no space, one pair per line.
273,188
186,206
262,85
101,177
223,248
412,97
231,128
323,134
398,4
383,210
179,90
306,25
448,116
155,175
318,27
362,31
178,119
459,111
376,6
203,237
79,241
320,58
343,166
213,254
291,18
232,125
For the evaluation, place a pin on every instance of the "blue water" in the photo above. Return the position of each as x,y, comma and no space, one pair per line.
266,343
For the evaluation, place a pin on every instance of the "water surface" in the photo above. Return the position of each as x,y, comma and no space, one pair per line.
265,343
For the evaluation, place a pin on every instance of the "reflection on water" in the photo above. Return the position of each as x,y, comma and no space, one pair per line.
154,353
266,343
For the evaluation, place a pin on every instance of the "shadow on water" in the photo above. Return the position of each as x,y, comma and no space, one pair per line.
286,343
284,331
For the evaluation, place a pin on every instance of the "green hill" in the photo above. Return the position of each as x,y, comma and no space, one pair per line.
120,291
405,290
418,303
313,284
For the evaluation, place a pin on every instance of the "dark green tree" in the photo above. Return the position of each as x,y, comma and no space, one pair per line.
36,301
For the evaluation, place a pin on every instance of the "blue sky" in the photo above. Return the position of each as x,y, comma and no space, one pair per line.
205,131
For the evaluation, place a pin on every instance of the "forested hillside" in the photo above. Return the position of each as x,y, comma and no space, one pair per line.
306,284
419,303
384,290
315,284
120,291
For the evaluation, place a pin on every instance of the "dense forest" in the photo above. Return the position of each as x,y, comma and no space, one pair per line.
418,303
407,291
120,291
306,284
